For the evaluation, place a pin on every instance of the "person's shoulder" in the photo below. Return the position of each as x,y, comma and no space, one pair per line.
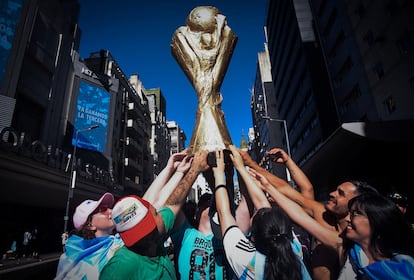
123,252
195,233
120,266
166,209
168,217
233,237
122,258
75,238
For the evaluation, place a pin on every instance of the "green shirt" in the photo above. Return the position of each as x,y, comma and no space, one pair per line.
126,264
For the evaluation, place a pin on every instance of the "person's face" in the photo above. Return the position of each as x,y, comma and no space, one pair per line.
358,228
102,221
338,199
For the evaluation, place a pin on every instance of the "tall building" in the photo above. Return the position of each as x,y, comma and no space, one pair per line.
368,51
36,57
268,127
177,136
138,142
343,81
160,136
71,128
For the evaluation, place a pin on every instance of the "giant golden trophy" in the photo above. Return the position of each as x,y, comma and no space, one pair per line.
203,49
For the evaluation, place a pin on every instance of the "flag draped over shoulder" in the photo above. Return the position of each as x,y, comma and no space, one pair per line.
84,259
400,267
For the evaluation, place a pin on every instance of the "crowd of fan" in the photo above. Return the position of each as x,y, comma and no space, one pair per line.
275,231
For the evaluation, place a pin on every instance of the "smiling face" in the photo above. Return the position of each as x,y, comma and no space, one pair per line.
338,199
358,228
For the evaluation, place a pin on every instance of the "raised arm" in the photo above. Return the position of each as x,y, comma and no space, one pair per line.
243,215
302,181
312,207
327,236
169,187
221,196
256,194
159,182
177,198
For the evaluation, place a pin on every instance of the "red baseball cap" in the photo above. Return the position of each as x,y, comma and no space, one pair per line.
133,219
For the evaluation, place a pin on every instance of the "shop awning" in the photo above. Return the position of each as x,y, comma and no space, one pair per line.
381,153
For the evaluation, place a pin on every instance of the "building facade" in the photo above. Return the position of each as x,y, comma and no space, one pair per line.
64,121
177,137
268,127
342,78
160,135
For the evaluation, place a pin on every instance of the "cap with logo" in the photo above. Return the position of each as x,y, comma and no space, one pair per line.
133,219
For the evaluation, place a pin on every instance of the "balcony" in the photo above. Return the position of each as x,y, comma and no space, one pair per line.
135,111
133,146
134,130
132,166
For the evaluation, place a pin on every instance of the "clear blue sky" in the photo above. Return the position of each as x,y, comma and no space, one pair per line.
138,35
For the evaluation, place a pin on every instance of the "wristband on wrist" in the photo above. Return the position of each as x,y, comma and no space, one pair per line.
219,186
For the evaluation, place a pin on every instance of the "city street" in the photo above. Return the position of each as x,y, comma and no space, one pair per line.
30,268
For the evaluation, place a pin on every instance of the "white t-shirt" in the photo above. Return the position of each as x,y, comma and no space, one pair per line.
240,253
246,262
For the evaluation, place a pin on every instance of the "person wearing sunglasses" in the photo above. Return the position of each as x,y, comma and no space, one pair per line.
92,243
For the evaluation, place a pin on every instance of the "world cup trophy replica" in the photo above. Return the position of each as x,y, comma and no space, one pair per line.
203,49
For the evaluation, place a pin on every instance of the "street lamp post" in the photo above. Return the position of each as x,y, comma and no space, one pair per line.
287,140
72,180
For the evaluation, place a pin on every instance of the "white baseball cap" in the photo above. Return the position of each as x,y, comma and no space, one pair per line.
87,207
133,219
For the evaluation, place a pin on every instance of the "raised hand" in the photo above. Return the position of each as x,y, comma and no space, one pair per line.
277,155
248,161
236,157
218,170
184,164
176,158
199,161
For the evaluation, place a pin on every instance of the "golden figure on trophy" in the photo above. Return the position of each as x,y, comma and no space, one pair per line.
203,49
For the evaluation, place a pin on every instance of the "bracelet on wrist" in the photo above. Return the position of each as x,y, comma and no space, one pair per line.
219,186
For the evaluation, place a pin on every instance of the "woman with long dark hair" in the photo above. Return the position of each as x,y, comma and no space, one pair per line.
272,236
273,251
379,242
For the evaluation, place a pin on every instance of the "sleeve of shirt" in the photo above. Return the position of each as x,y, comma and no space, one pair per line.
239,250
168,218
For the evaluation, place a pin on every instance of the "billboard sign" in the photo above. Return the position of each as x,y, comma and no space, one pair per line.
9,17
92,109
